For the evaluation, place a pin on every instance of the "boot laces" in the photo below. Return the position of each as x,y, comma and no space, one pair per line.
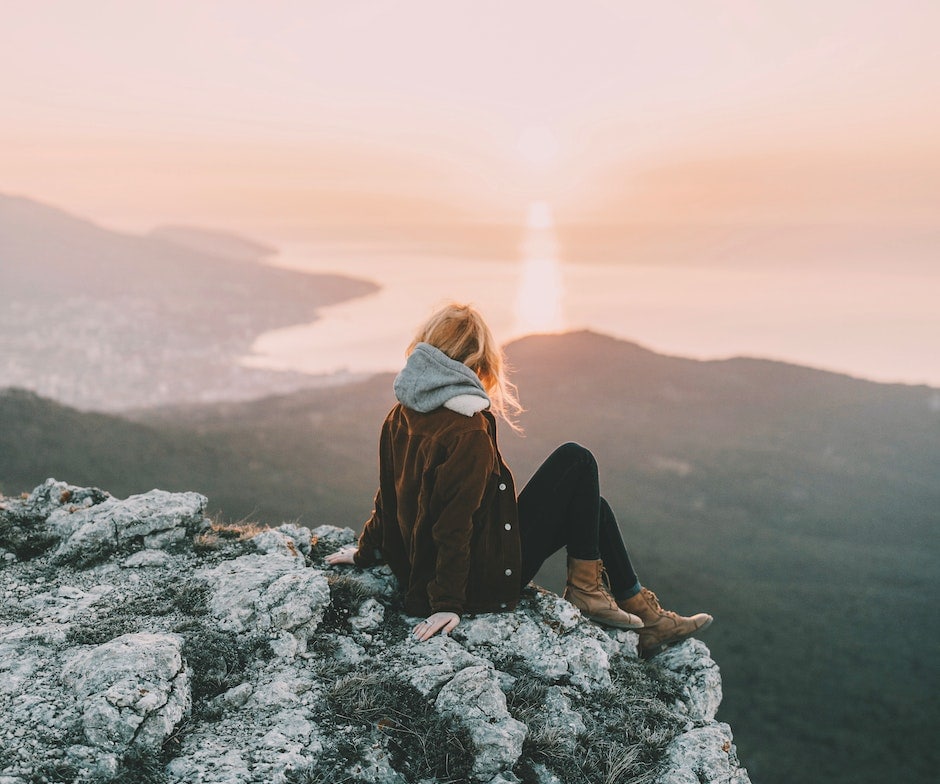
651,598
605,586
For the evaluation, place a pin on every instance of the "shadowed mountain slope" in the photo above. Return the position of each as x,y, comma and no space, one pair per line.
798,506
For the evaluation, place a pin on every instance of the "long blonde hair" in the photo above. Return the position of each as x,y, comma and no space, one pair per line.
461,333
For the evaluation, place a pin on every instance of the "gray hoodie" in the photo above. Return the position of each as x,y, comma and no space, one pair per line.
431,379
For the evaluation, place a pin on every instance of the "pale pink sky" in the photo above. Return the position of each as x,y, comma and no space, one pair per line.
255,115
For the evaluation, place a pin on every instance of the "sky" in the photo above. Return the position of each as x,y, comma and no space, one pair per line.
260,116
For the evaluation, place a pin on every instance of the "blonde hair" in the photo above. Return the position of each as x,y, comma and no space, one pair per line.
461,333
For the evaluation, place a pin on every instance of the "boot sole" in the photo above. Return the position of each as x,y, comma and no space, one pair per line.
602,622
649,653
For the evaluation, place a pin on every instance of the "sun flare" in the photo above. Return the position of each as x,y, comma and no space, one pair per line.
541,290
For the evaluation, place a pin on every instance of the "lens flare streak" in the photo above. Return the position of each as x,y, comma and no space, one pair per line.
541,288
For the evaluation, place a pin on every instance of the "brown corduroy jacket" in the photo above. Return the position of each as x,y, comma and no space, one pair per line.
445,516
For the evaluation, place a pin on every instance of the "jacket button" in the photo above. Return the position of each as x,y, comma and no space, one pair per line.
503,605
508,572
508,526
502,485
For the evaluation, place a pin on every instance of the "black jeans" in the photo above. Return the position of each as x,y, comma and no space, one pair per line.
561,506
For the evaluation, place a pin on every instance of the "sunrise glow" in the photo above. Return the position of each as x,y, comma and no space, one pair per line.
539,301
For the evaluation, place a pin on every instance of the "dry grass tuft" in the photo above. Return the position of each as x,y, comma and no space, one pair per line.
243,530
221,532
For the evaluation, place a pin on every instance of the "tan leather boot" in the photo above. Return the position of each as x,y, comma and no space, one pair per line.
587,591
661,627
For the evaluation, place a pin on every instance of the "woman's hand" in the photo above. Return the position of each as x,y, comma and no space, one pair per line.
443,622
342,556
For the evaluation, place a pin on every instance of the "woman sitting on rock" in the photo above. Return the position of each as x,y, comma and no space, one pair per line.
446,517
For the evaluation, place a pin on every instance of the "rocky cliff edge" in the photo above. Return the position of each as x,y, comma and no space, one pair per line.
142,642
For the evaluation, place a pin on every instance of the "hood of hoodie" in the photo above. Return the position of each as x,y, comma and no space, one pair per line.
431,379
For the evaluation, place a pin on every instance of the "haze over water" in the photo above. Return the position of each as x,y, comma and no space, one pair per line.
781,294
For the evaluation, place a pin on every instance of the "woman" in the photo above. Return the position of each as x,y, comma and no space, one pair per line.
446,516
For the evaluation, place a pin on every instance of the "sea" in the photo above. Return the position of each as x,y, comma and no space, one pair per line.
864,301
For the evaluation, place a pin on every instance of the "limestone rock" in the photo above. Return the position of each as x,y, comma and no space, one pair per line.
275,541
147,559
217,762
703,754
369,618
564,723
554,645
700,676
330,538
24,523
474,697
108,651
267,592
17,667
430,665
151,520
134,690
53,495
274,719
300,535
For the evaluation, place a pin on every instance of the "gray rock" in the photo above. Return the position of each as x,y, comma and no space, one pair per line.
429,665
555,646
274,541
300,535
84,706
348,652
379,581
18,665
703,754
375,767
545,776
53,495
134,690
474,698
144,559
330,538
268,592
215,763
369,618
565,724
150,520
238,695
26,520
285,645
506,777
700,676
92,762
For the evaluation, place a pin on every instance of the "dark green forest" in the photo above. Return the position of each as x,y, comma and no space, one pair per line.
800,507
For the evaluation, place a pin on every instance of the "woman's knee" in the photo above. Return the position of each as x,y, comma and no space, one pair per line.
572,452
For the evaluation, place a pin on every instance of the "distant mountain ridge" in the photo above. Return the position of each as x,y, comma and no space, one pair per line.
109,320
